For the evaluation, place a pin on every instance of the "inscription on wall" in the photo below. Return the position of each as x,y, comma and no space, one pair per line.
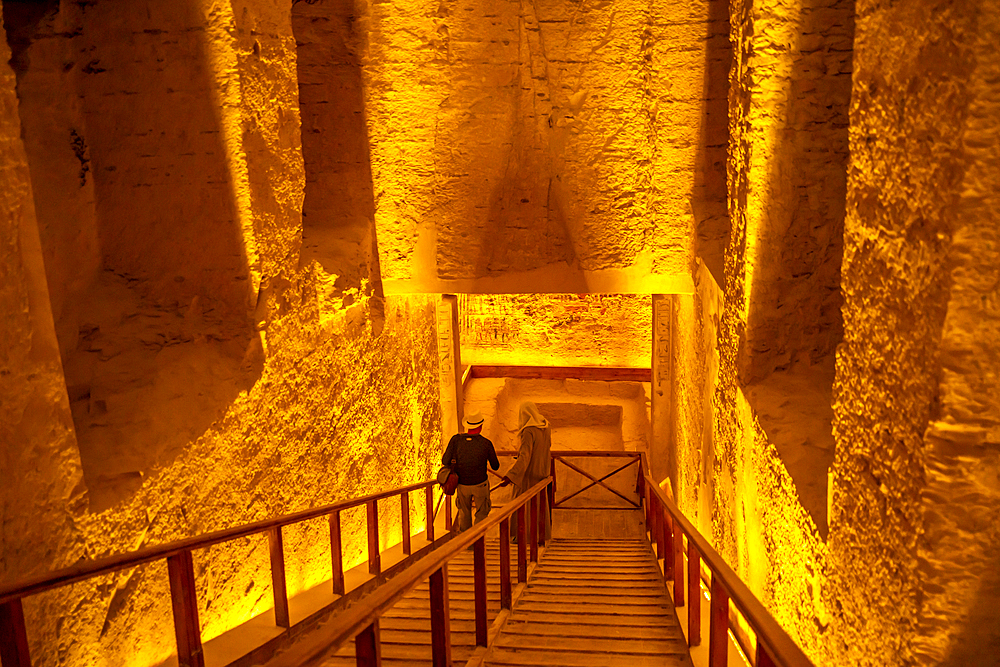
556,329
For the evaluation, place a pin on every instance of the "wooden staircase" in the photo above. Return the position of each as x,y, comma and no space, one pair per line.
593,603
405,630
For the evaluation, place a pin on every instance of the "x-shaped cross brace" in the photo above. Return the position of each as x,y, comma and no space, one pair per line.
596,481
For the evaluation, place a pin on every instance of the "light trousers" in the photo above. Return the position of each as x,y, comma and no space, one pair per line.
465,496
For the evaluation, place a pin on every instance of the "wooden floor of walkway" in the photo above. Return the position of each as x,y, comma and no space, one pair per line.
596,599
405,629
593,603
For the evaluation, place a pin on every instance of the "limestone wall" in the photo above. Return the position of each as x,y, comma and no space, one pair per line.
907,573
329,406
539,146
338,214
43,483
916,495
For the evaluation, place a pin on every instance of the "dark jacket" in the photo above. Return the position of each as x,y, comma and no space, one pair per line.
471,453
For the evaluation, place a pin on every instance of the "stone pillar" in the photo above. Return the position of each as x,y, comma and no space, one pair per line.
662,454
450,364
43,493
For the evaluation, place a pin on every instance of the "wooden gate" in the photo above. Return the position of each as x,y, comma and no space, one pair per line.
587,479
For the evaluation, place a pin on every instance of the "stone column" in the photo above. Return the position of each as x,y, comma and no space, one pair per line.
662,454
450,364
43,492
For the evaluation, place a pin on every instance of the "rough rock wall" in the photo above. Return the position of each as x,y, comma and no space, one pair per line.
338,223
303,436
39,462
274,446
790,87
731,480
797,123
916,497
529,145
556,330
908,574
148,298
695,369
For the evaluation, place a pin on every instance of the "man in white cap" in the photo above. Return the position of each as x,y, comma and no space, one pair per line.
471,452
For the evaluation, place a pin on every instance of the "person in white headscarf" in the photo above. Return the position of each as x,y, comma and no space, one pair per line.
533,461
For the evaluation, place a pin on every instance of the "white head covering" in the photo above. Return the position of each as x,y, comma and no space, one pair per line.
530,416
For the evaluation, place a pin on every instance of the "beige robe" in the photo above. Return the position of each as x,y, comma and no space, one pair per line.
533,464
533,460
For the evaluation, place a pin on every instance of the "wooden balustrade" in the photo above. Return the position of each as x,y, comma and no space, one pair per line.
180,570
669,528
361,620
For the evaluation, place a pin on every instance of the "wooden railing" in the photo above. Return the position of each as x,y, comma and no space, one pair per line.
180,569
562,457
361,621
668,528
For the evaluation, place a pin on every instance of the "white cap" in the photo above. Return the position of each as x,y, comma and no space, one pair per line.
475,420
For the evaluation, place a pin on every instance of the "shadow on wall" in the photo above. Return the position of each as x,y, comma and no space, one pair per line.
796,214
338,217
141,236
708,198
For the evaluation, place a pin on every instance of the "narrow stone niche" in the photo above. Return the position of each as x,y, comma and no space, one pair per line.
787,359
143,251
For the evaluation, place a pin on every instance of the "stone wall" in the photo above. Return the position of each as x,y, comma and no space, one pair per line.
338,224
39,461
540,146
916,498
907,573
227,181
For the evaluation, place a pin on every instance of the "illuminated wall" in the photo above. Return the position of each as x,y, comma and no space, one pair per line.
333,406
556,330
907,573
540,146
916,498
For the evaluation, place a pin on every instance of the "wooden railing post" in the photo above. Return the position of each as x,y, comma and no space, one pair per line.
447,512
440,619
694,595
718,628
552,488
649,519
184,600
404,506
505,592
656,528
277,550
374,558
543,514
522,547
678,565
479,579
763,657
429,494
534,528
368,647
667,529
336,554
13,636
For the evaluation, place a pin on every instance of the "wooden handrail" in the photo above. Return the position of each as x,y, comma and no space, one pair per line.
357,619
774,645
93,568
180,569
